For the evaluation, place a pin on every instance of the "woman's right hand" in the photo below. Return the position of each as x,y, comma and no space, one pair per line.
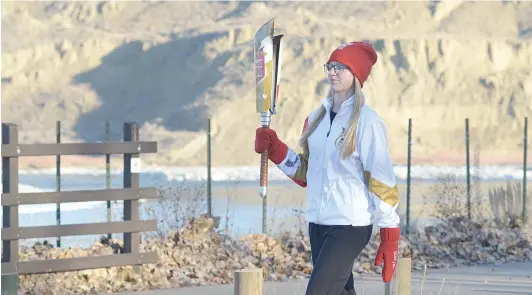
266,140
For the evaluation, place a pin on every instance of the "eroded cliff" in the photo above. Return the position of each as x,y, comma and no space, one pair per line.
171,65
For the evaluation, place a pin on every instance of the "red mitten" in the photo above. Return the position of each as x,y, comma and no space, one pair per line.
266,139
388,251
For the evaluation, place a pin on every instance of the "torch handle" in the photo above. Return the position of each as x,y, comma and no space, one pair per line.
264,170
265,120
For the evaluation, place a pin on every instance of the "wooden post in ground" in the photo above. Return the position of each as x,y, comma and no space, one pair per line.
131,180
10,255
404,274
401,281
248,282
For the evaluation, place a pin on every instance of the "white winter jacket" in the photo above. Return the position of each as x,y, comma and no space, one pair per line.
353,191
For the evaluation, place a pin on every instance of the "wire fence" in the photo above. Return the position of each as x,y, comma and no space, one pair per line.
496,198
500,199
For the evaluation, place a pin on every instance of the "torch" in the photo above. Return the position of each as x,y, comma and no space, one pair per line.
268,57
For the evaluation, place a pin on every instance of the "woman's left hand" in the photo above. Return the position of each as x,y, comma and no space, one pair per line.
388,251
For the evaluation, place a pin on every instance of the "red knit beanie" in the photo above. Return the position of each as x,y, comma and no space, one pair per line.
358,56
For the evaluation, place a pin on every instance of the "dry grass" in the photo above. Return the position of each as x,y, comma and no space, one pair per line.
502,205
172,210
448,199
507,204
504,209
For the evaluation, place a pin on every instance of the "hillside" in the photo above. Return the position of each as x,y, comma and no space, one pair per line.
171,65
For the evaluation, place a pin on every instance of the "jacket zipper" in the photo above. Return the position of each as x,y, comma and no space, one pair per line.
331,121
322,162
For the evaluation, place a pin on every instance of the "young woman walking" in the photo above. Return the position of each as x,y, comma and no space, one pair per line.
346,167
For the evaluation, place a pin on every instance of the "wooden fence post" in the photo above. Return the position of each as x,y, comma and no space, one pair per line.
525,147
408,167
468,169
209,169
131,180
10,213
58,179
248,282
108,173
402,279
404,269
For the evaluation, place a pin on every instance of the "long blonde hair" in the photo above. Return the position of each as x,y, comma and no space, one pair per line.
349,144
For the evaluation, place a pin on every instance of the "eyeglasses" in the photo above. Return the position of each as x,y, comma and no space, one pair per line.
338,68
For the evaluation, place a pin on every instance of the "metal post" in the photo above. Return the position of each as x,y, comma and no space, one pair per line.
58,179
468,176
108,173
408,166
209,191
401,283
264,215
525,147
477,173
10,253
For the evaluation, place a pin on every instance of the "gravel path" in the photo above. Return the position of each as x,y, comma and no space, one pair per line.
508,278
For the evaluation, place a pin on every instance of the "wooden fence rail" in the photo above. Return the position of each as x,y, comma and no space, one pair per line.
131,226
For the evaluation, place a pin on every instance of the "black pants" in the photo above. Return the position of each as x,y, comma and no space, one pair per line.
334,250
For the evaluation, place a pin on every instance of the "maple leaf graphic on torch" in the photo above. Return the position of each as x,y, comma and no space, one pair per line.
265,60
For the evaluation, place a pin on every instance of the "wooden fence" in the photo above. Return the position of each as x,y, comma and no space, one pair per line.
131,226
